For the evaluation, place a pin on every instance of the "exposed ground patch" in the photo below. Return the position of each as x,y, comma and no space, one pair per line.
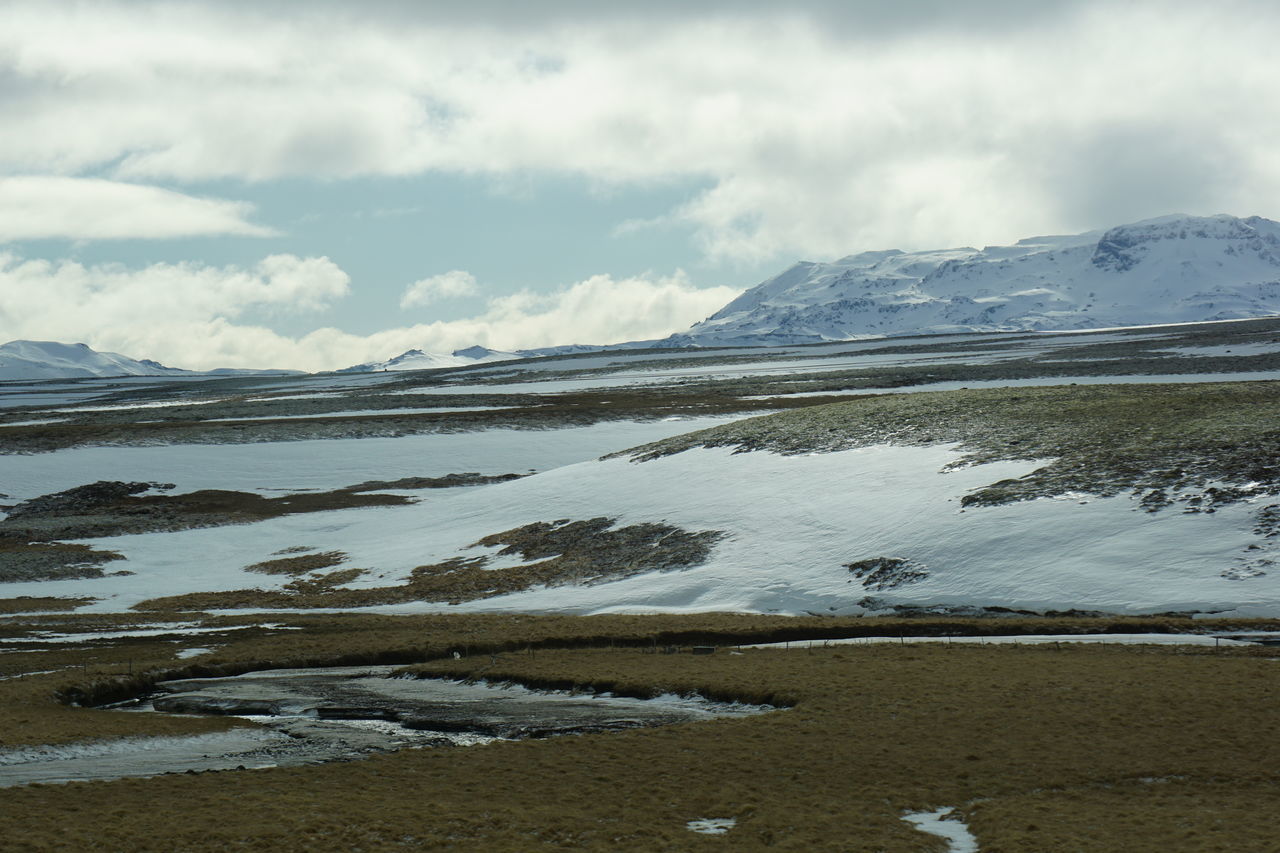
30,537
40,604
22,561
564,552
299,565
1201,446
110,508
881,573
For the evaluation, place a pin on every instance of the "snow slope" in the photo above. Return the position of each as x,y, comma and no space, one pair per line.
273,468
27,360
52,360
1172,269
416,359
791,525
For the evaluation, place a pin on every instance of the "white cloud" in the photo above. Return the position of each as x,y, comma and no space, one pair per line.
165,309
186,315
822,130
449,285
35,207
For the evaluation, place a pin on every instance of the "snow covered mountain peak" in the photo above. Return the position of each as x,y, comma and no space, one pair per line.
1125,246
54,360
479,353
27,360
1175,268
416,359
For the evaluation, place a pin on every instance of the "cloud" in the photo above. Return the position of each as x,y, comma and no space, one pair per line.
449,285
820,129
37,207
191,315
163,308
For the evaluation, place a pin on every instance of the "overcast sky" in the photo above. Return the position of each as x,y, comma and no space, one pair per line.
312,184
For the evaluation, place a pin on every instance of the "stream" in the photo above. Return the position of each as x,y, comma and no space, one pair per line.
310,716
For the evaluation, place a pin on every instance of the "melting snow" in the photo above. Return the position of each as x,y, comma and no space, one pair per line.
792,524
711,825
959,838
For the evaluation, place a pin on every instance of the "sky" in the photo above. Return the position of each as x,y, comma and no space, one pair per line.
317,184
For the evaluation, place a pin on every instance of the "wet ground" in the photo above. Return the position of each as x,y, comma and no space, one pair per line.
310,716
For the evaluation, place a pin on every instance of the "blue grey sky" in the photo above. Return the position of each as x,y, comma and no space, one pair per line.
319,184
534,232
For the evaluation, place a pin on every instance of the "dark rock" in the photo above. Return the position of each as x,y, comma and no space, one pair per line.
881,573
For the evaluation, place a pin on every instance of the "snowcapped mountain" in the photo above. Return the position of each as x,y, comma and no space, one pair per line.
416,359
1171,269
52,360
23,360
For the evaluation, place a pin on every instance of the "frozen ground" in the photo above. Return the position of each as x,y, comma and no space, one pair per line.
792,524
789,526
292,466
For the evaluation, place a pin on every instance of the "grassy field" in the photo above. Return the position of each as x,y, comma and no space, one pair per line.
1040,748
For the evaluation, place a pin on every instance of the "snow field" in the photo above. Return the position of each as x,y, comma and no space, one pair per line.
273,468
791,524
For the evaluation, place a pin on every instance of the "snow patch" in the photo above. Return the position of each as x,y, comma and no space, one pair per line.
942,824
711,825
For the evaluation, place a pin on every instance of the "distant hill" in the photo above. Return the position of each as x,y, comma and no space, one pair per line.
21,360
1173,269
416,359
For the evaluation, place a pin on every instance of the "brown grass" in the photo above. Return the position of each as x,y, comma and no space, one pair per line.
40,604
298,565
878,731
22,561
1059,739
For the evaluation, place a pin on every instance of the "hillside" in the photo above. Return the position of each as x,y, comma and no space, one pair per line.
37,360
1174,269
1125,472
416,359
52,360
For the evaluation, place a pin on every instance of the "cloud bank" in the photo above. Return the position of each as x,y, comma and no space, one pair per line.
820,129
38,207
189,315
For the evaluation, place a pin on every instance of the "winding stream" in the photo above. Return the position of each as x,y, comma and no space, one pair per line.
310,716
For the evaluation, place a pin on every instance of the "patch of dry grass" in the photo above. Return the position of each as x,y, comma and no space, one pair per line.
40,604
22,561
1174,814
1103,439
298,565
1014,736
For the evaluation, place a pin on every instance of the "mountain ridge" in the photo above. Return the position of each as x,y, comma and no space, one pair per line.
1175,268
27,360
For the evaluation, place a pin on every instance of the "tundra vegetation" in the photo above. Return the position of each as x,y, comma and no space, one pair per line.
1201,445
1047,748
1038,748
237,410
